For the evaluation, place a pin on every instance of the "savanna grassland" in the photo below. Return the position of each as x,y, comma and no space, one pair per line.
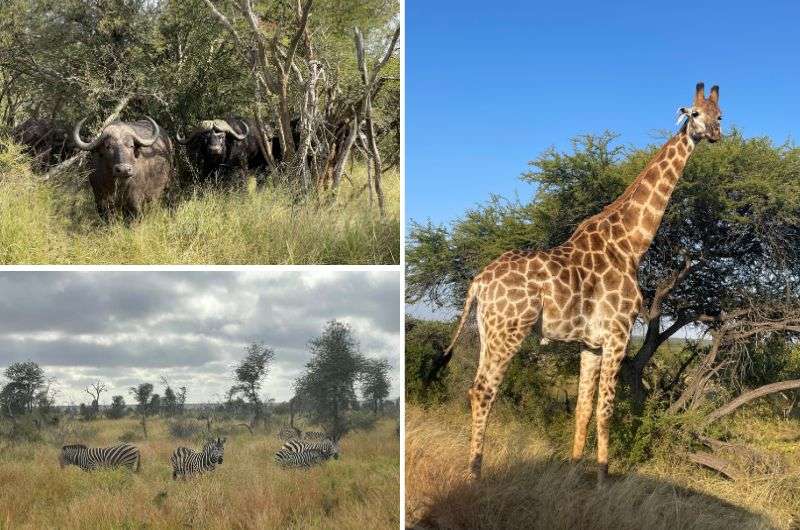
359,490
55,222
528,481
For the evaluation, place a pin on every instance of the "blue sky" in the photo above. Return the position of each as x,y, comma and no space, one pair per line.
491,85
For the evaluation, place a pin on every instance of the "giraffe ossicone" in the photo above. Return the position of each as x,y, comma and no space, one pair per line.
585,290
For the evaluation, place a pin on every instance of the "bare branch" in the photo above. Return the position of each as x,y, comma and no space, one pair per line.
750,396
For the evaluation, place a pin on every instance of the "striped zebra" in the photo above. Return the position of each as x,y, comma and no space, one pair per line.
288,432
315,435
186,461
327,448
91,458
287,458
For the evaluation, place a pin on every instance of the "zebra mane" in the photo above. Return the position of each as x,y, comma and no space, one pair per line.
73,446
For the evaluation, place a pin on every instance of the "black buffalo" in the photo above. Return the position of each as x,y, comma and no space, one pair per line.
132,163
48,141
223,145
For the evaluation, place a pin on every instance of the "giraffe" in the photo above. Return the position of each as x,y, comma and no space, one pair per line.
585,290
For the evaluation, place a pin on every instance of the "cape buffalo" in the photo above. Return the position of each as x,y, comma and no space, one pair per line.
132,162
221,145
48,141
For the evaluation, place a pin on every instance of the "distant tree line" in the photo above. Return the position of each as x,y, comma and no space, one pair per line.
325,393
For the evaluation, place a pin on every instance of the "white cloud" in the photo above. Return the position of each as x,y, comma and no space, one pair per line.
126,328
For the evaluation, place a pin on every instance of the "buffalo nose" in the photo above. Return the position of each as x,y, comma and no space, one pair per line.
123,170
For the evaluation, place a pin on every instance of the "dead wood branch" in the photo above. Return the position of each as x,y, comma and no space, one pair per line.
716,463
750,396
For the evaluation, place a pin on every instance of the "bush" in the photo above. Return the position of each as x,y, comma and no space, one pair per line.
362,420
184,429
22,430
424,341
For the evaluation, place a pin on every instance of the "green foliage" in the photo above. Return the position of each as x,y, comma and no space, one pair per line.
327,388
118,408
375,384
74,58
737,206
18,396
424,342
250,372
362,420
142,395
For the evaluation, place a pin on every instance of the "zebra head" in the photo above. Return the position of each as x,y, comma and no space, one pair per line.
67,455
215,449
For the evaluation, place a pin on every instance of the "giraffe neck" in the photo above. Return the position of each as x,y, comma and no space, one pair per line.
642,205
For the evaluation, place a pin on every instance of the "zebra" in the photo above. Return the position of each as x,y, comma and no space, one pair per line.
288,432
315,435
288,458
327,448
186,461
91,458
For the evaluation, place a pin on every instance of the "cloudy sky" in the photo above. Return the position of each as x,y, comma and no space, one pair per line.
126,328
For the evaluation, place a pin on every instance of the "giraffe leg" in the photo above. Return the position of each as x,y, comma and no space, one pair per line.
590,373
609,369
498,348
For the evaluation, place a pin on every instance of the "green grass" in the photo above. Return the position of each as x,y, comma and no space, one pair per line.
359,490
55,222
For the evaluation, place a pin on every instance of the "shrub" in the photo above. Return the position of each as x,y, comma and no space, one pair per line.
184,429
424,340
362,420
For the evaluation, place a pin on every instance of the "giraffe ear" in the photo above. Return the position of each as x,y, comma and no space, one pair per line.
714,96
699,93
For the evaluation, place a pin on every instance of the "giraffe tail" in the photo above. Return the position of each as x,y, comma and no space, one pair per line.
447,353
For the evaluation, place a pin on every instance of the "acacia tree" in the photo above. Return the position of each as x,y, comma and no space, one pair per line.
26,380
727,242
117,409
375,384
142,395
250,373
327,388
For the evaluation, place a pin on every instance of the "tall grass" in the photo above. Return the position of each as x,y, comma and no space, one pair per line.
360,490
55,222
528,483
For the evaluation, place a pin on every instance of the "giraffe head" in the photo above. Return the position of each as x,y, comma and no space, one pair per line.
703,117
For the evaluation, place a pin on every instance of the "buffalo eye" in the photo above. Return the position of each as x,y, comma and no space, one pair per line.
695,114
720,118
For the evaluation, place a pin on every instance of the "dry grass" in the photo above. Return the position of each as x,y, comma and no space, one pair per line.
49,222
360,490
528,483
